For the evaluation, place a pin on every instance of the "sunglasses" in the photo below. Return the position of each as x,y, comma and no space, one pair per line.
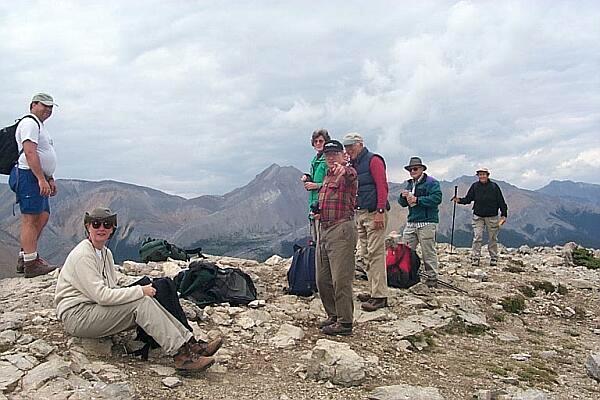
318,141
106,224
414,169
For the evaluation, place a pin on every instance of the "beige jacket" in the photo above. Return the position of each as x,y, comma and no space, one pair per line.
88,279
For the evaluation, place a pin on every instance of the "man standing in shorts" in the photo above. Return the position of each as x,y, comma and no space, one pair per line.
33,182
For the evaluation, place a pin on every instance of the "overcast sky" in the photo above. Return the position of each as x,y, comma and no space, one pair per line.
196,98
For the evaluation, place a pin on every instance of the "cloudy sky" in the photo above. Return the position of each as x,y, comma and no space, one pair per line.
197,97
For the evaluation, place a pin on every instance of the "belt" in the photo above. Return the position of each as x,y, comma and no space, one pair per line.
329,224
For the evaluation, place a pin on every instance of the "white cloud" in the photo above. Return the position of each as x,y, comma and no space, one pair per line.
198,99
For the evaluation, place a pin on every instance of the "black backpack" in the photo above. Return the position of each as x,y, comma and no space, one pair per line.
301,275
160,250
9,150
166,295
204,283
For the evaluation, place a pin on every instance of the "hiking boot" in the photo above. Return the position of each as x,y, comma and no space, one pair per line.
326,322
37,268
187,362
374,304
337,329
206,349
20,265
493,262
363,297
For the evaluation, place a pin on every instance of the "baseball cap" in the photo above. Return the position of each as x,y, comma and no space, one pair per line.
45,99
333,146
352,138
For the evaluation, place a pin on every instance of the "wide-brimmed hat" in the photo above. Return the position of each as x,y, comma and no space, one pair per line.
487,171
331,146
102,214
44,98
415,162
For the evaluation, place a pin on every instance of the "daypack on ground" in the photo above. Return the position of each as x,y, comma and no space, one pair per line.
166,295
160,250
301,275
403,266
9,150
204,283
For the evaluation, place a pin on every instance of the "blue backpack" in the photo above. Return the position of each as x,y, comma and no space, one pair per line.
301,275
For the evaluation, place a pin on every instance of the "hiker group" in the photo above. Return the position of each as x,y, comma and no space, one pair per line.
348,214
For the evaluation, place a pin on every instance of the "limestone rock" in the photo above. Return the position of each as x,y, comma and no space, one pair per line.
23,361
41,349
287,336
9,375
405,392
417,323
275,260
162,370
11,320
336,362
592,365
8,338
44,372
98,347
172,382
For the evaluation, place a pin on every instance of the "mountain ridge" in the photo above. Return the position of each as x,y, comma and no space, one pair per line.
268,215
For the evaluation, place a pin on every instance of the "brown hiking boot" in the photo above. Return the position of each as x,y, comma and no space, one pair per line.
206,349
326,322
337,329
187,362
362,297
20,265
374,304
37,268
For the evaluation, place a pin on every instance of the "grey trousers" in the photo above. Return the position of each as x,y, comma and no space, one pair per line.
424,236
372,251
96,321
493,226
335,270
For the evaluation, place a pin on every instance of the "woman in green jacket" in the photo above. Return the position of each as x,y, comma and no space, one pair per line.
314,180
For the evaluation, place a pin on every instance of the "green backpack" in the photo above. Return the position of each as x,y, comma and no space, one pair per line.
160,250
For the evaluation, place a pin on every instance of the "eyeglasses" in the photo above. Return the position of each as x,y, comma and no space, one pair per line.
106,224
414,169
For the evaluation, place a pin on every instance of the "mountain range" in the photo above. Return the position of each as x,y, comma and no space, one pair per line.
268,215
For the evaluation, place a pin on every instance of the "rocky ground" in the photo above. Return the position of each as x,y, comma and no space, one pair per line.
528,329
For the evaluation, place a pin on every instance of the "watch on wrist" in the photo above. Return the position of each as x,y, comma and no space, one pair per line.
380,210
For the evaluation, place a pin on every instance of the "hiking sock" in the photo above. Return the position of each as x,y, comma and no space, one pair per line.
30,256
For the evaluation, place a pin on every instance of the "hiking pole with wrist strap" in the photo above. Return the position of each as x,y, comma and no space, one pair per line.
453,215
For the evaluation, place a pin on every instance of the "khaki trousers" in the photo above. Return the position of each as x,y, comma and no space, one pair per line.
424,236
335,270
95,321
372,251
493,226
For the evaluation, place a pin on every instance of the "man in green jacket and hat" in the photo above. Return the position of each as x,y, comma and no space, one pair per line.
422,196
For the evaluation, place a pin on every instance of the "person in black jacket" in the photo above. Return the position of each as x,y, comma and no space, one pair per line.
487,198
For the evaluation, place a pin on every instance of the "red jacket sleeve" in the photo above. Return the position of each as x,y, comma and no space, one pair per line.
377,169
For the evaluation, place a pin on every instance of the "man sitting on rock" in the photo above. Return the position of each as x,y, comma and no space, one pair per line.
90,304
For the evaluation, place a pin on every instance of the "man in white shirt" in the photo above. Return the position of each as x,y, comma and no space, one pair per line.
33,182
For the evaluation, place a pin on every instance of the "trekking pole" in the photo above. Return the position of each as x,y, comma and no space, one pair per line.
453,215
446,284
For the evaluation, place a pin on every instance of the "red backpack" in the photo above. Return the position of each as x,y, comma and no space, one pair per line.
403,266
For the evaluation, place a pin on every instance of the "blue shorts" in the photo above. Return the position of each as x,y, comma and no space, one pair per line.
24,183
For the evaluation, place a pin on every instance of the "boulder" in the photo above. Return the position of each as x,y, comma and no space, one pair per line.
405,392
287,336
337,363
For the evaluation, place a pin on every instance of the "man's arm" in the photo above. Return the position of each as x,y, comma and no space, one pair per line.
33,160
377,169
469,197
501,203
